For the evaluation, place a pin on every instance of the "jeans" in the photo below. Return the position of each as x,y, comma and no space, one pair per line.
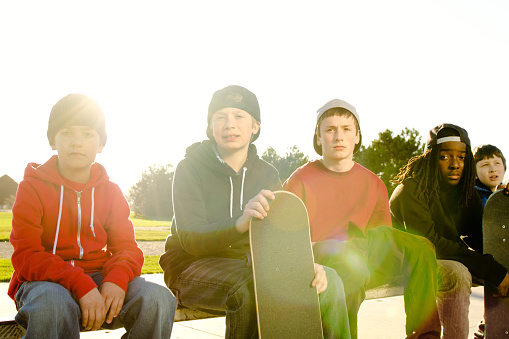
48,310
224,285
454,289
384,256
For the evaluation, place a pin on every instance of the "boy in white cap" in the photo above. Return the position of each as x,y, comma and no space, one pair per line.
351,224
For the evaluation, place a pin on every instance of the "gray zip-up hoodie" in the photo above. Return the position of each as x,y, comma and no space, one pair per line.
208,198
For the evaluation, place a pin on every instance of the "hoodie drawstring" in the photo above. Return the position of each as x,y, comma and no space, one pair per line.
244,169
231,198
92,212
59,218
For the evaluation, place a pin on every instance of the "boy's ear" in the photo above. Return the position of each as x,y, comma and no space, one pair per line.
256,126
100,150
53,147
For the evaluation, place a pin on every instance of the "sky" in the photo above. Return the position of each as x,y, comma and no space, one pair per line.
154,65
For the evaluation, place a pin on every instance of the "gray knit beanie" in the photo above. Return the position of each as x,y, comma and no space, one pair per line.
76,110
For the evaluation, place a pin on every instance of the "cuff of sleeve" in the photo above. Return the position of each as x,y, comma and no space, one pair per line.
82,285
119,277
497,275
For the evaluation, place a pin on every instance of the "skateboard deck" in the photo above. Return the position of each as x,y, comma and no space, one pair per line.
283,269
496,243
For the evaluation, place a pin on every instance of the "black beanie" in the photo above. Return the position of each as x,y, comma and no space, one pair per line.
76,110
236,97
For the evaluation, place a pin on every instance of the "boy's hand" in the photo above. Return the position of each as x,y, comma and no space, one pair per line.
257,207
320,280
503,288
504,186
113,299
93,310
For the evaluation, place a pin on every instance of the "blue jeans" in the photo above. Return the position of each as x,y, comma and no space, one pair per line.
48,310
224,285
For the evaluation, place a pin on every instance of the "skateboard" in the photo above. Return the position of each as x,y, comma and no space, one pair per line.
496,243
283,269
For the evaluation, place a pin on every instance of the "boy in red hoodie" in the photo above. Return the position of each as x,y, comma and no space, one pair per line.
76,261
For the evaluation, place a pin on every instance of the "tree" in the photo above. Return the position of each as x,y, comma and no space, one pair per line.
151,196
286,166
387,154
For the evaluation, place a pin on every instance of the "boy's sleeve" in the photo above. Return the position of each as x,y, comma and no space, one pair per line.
30,260
295,185
196,234
381,214
127,258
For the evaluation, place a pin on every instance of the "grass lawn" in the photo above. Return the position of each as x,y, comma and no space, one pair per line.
151,261
151,265
5,270
5,225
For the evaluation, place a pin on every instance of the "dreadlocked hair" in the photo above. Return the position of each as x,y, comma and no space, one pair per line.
426,170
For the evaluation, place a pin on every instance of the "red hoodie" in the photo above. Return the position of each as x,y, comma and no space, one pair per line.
61,231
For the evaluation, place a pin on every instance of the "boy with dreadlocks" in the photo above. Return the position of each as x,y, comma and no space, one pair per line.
436,198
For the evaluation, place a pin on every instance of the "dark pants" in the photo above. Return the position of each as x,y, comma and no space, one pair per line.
223,285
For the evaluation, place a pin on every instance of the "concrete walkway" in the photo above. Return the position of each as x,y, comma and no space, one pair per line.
378,318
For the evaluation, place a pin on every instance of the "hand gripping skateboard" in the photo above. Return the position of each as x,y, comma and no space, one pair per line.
496,243
283,269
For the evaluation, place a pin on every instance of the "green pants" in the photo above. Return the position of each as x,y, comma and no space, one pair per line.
383,256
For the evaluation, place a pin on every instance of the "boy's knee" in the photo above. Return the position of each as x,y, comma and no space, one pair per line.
242,297
46,302
155,294
453,277
333,279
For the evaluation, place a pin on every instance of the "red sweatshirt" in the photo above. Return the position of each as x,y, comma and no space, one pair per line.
62,230
340,205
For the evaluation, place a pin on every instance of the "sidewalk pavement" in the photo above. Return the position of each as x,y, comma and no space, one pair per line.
378,318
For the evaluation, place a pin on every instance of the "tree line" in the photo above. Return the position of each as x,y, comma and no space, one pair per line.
151,196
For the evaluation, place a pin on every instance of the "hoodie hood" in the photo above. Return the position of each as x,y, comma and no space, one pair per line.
205,153
49,172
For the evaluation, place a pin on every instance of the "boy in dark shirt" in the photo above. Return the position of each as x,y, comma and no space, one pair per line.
436,198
